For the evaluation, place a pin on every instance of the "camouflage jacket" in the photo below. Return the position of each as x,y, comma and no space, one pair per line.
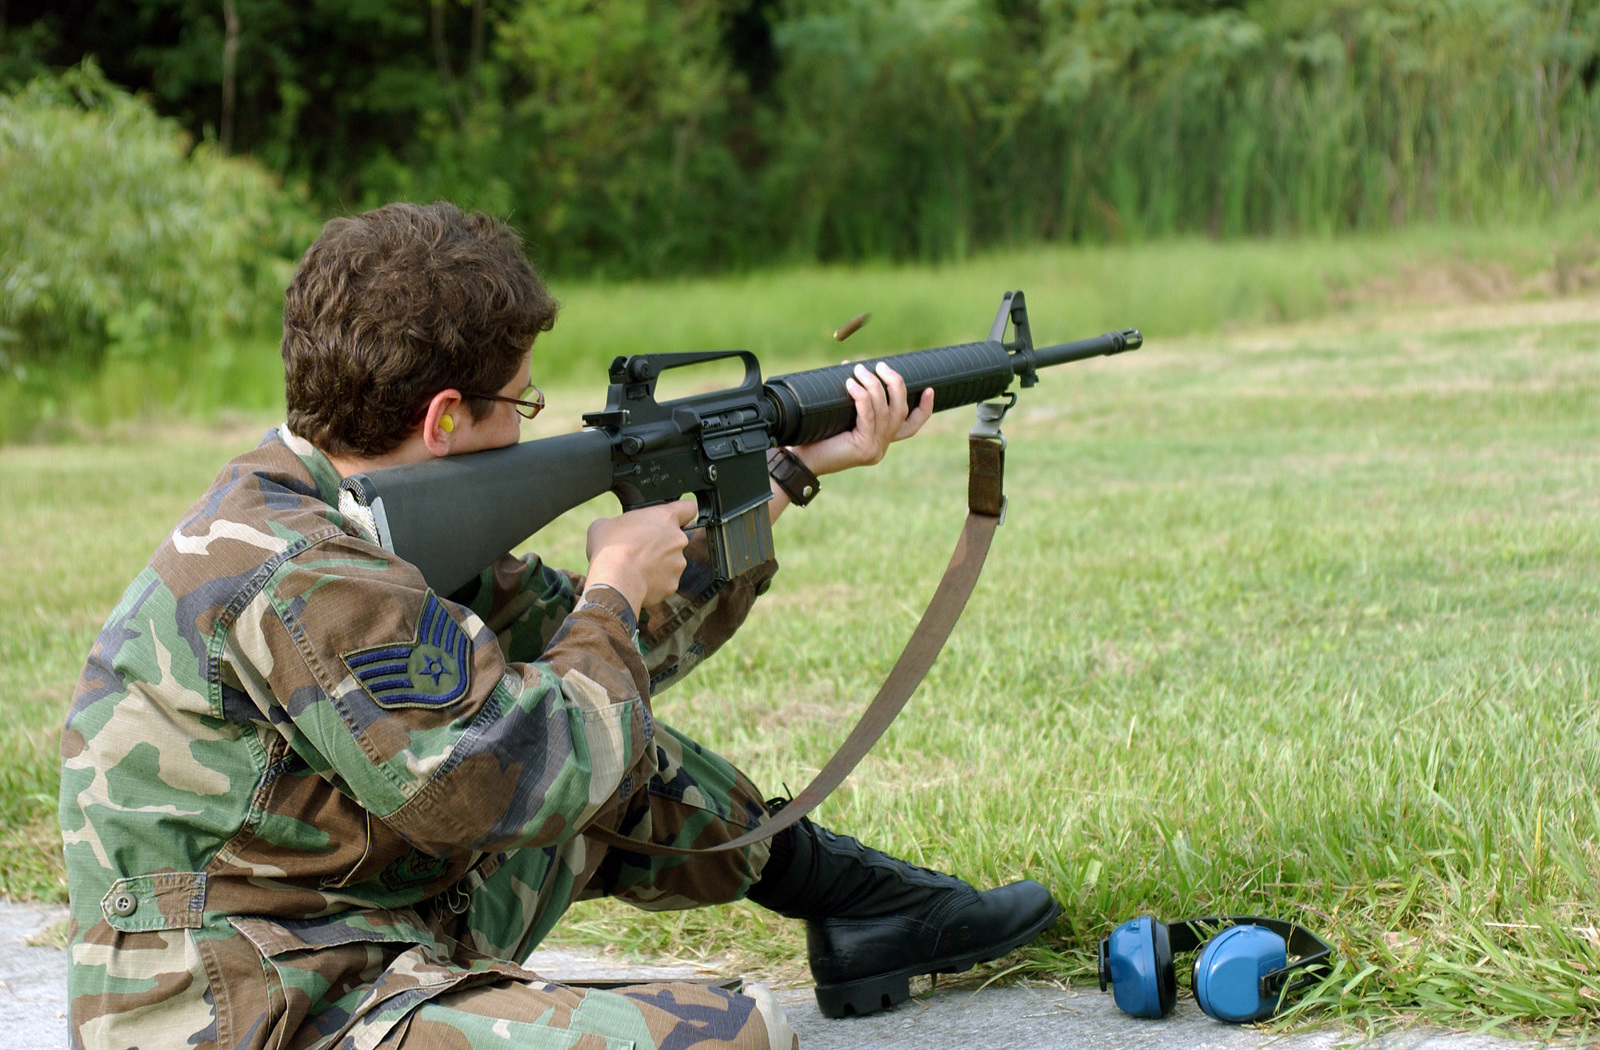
282,739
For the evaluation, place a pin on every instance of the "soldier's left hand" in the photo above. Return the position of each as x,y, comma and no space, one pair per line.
882,418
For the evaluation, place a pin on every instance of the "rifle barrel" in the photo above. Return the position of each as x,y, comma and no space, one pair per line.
1098,346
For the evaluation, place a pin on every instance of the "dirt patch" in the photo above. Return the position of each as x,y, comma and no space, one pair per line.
1577,268
1414,318
1574,270
1573,273
1439,285
1450,294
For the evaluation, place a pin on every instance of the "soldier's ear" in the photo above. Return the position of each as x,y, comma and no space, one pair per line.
439,422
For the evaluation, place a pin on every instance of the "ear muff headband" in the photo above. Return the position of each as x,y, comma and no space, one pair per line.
1241,976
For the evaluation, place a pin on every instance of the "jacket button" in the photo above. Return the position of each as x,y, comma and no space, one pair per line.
124,903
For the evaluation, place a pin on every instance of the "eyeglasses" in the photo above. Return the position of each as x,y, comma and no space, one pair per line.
530,404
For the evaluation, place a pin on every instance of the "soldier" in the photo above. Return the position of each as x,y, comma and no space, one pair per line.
307,802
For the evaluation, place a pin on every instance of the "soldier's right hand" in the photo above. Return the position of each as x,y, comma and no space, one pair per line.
640,552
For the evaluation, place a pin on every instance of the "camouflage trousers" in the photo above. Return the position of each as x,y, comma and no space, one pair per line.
695,798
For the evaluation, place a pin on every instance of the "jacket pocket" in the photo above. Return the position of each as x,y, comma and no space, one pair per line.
340,972
169,900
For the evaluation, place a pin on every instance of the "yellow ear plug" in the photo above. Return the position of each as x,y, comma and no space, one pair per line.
447,424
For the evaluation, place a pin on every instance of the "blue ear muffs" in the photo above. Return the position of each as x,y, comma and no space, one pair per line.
1240,975
1137,960
1229,974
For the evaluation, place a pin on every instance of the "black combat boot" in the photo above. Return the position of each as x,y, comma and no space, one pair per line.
874,922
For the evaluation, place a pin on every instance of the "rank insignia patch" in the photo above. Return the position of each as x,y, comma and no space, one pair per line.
432,670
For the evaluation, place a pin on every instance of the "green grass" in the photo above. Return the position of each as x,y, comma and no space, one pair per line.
1295,620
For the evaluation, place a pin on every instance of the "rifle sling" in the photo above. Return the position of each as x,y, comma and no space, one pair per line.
985,506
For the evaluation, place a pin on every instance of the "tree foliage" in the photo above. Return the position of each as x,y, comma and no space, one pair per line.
641,136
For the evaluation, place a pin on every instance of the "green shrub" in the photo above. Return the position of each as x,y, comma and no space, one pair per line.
118,238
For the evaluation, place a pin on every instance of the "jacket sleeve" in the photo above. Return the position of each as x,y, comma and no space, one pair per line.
407,703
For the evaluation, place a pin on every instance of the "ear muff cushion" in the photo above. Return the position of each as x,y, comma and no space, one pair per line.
1166,975
1139,958
1227,975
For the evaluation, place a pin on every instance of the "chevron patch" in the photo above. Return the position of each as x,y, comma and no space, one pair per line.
434,669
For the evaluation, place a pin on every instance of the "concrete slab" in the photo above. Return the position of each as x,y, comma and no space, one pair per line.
950,1015
1013,1018
33,979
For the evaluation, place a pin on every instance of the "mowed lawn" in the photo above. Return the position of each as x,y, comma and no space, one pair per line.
1296,621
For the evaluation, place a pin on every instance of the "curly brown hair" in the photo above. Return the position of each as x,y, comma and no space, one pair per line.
391,306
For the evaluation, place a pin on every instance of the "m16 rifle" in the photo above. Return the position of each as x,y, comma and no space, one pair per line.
453,516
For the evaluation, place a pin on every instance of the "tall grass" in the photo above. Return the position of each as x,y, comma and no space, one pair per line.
933,130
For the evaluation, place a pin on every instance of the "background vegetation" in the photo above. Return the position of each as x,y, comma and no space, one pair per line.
149,213
636,137
633,138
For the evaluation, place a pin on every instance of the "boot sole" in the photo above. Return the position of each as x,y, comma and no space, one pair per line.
870,995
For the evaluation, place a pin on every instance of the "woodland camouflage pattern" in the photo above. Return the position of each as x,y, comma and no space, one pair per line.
306,802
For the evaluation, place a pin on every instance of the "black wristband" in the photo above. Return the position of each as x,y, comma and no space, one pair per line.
792,476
